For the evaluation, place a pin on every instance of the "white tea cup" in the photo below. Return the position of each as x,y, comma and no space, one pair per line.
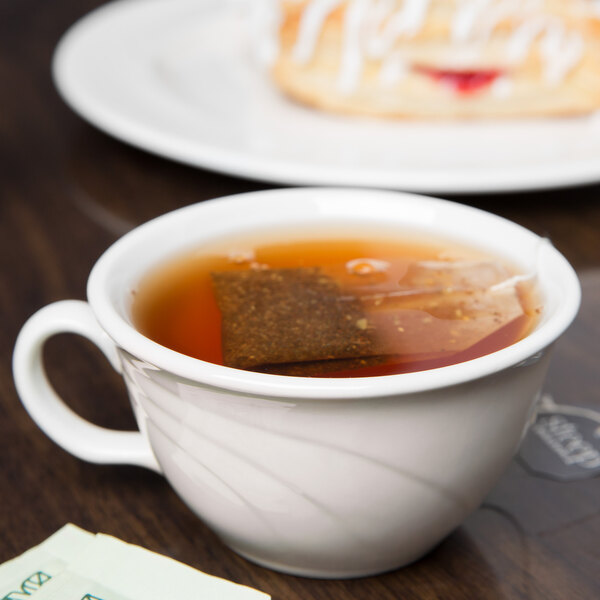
313,476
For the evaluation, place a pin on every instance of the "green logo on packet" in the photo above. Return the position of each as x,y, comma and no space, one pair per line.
32,584
90,597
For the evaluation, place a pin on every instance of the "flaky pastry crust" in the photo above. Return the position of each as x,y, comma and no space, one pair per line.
513,59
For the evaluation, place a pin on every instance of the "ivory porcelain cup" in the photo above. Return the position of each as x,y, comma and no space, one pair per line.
320,477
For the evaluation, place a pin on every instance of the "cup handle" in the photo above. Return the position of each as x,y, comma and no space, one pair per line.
62,425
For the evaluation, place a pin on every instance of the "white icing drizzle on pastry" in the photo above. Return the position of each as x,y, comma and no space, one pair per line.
466,17
406,22
561,50
352,54
311,24
371,29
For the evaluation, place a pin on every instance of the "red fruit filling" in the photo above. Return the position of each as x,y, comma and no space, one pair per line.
464,82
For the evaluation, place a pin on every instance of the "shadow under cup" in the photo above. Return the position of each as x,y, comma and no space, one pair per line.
320,477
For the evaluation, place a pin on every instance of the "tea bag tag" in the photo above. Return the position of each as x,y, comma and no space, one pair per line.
563,444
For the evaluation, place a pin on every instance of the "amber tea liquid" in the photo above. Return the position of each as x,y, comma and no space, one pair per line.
175,304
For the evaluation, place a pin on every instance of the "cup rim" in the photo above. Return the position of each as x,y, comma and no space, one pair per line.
251,383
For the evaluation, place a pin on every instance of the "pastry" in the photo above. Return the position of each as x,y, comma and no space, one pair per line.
437,58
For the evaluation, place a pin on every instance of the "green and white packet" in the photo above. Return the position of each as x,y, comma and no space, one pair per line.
25,575
110,569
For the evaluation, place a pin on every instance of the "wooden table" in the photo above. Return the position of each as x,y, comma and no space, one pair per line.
67,192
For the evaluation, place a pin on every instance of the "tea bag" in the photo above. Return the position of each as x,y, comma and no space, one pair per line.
109,569
300,322
452,276
443,307
28,573
452,323
287,316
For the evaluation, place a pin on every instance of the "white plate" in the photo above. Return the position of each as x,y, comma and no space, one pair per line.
177,78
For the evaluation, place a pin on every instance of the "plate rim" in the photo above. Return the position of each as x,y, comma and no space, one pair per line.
200,154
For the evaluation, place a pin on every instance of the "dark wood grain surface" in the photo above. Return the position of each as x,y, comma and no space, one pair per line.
67,192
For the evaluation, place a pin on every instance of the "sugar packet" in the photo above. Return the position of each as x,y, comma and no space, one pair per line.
110,569
25,575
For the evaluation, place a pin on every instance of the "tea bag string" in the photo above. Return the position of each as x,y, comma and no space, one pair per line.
532,273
